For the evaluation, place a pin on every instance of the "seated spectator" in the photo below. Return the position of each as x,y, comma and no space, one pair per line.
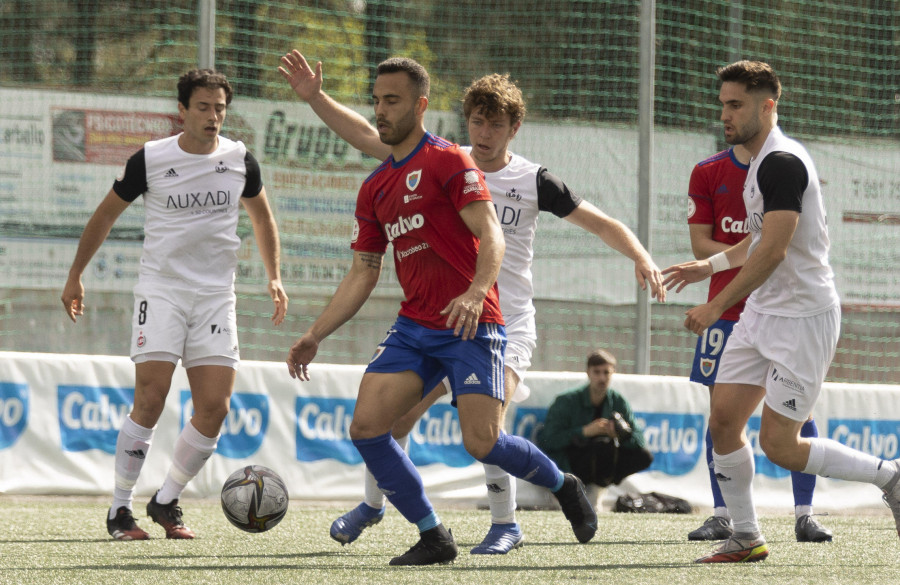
590,431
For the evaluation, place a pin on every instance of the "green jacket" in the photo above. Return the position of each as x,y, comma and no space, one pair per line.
570,411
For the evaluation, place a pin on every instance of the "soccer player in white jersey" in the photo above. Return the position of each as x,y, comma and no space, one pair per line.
494,110
184,301
785,270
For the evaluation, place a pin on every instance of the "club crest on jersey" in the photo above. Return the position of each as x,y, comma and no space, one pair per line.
221,168
707,367
692,207
412,179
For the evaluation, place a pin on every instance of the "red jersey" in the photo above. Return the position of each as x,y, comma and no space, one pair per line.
716,195
414,205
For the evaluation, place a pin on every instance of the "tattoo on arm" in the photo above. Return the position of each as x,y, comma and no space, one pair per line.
372,261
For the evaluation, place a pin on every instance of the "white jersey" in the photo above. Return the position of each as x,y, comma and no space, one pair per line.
191,207
520,190
803,283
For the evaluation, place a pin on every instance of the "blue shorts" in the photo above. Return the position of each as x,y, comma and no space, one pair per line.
709,350
473,366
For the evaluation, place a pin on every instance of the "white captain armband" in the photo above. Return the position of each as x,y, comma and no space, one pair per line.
719,262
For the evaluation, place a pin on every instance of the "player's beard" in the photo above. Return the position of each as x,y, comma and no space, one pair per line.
745,134
398,131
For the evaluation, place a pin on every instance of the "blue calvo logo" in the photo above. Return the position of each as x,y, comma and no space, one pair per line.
90,416
13,412
437,438
323,429
243,429
880,438
528,422
323,432
674,438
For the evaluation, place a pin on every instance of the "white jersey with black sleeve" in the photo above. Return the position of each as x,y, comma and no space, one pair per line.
521,190
783,177
191,207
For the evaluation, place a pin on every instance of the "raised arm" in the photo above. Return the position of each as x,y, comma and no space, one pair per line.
346,123
465,310
266,233
617,236
349,297
93,236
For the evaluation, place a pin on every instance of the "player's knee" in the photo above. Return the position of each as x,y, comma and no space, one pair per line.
479,447
362,429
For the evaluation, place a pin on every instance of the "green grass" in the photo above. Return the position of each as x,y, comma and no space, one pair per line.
58,540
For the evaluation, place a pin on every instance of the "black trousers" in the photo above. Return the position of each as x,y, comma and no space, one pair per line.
602,461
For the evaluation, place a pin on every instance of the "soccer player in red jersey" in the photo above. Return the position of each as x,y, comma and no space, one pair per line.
429,200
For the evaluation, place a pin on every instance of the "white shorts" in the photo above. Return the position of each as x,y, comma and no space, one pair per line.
521,339
173,319
788,356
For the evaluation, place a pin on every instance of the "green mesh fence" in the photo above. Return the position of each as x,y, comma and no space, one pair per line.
83,82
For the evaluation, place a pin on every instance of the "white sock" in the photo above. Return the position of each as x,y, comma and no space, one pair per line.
801,511
501,491
829,458
374,497
192,449
737,488
722,512
132,446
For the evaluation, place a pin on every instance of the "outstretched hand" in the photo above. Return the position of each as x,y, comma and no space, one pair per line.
681,275
305,82
650,274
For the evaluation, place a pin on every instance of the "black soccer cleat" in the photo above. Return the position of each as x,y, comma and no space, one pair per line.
169,517
578,509
435,545
123,526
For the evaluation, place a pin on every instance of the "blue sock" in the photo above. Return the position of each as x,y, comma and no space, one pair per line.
397,476
520,458
804,484
718,500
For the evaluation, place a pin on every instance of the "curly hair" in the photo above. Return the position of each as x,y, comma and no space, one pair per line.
494,95
207,78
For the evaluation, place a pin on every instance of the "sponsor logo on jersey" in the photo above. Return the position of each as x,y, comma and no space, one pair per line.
472,182
788,383
90,416
412,179
243,429
674,438
221,167
14,406
790,404
218,329
403,225
472,380
754,222
880,438
208,199
722,190
170,174
401,254
508,216
730,226
412,197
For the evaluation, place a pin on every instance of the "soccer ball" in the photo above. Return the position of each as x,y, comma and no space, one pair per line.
254,498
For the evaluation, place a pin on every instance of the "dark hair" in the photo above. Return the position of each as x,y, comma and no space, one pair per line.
416,72
494,95
600,357
207,78
754,75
